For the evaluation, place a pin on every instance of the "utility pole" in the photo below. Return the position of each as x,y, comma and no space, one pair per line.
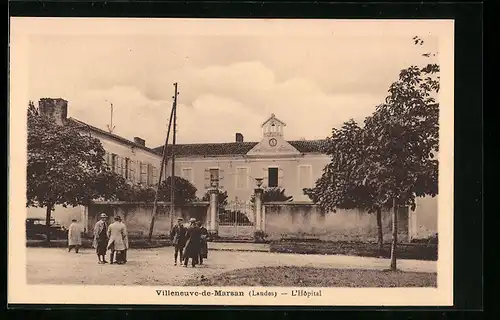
110,126
162,167
172,178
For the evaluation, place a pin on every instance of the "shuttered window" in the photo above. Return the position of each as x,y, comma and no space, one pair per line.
114,164
143,173
241,178
149,172
305,177
187,173
131,170
154,175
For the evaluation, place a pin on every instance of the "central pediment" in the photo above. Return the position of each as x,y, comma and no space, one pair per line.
274,146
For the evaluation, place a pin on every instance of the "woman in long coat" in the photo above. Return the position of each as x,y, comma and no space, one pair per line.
192,249
118,240
203,242
74,236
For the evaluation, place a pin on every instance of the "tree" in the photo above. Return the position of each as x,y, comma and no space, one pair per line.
64,167
391,160
273,194
341,184
184,191
403,140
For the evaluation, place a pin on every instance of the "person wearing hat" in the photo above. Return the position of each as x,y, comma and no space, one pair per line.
192,249
118,241
203,242
74,236
101,238
178,238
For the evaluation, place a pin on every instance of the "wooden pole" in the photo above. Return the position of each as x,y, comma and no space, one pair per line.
163,165
172,177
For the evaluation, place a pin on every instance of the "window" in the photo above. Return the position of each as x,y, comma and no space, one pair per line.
305,176
108,160
214,174
155,175
272,176
121,166
149,178
131,174
114,164
142,172
241,178
187,173
127,168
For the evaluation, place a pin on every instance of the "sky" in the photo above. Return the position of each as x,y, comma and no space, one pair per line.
230,80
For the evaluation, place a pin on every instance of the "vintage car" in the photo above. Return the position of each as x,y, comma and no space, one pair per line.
36,229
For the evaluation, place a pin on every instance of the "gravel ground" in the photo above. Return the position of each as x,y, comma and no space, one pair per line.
317,277
155,266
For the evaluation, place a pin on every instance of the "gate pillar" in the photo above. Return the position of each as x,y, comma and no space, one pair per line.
214,209
258,208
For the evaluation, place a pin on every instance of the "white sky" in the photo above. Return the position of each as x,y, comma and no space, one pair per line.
312,75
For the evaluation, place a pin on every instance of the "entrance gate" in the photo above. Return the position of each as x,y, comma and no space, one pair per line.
236,220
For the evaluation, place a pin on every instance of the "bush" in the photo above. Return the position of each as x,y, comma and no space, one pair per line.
260,236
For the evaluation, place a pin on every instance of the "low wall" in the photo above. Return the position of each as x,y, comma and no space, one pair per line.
306,219
137,216
424,219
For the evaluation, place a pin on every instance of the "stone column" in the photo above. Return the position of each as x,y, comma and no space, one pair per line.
214,209
85,219
263,223
258,209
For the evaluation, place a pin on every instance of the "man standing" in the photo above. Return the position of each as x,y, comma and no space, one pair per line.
74,236
178,237
203,242
118,240
123,258
192,249
101,238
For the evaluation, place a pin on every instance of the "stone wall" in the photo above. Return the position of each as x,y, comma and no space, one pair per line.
137,216
306,219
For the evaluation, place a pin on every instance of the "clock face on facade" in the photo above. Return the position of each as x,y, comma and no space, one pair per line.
273,142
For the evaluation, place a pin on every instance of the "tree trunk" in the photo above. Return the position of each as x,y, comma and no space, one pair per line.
48,215
380,232
394,234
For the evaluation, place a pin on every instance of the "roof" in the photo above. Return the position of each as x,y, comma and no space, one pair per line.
273,117
236,148
110,135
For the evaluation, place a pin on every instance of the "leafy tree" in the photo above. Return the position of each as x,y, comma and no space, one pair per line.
64,167
392,159
403,136
273,194
184,191
341,184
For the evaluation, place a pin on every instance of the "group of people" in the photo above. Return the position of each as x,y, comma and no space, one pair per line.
113,237
189,242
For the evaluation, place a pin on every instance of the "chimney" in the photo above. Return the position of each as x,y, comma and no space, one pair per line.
239,137
55,109
140,141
